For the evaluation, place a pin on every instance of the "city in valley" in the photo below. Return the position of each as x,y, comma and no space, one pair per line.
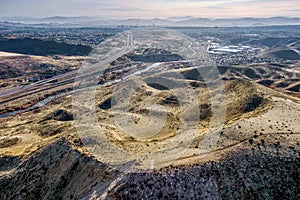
149,109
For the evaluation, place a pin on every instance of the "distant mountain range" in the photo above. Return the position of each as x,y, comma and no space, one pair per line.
172,21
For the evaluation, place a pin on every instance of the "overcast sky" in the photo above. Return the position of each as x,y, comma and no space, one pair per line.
150,9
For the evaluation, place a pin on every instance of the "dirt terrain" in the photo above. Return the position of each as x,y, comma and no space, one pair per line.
21,69
236,137
261,124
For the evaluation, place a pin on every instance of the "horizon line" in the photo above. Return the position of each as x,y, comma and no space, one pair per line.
126,18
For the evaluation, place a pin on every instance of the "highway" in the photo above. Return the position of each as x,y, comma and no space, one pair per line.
63,79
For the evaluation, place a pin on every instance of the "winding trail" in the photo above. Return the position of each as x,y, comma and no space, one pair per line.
235,145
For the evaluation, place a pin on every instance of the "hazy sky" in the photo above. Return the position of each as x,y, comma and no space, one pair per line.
150,9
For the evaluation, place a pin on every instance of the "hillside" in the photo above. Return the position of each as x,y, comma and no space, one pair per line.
42,48
152,115
261,125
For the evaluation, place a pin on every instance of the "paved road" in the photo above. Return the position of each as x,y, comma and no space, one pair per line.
44,85
63,79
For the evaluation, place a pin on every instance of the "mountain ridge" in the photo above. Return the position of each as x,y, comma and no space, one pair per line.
171,21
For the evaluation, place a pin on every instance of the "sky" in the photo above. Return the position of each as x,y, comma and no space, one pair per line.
151,8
